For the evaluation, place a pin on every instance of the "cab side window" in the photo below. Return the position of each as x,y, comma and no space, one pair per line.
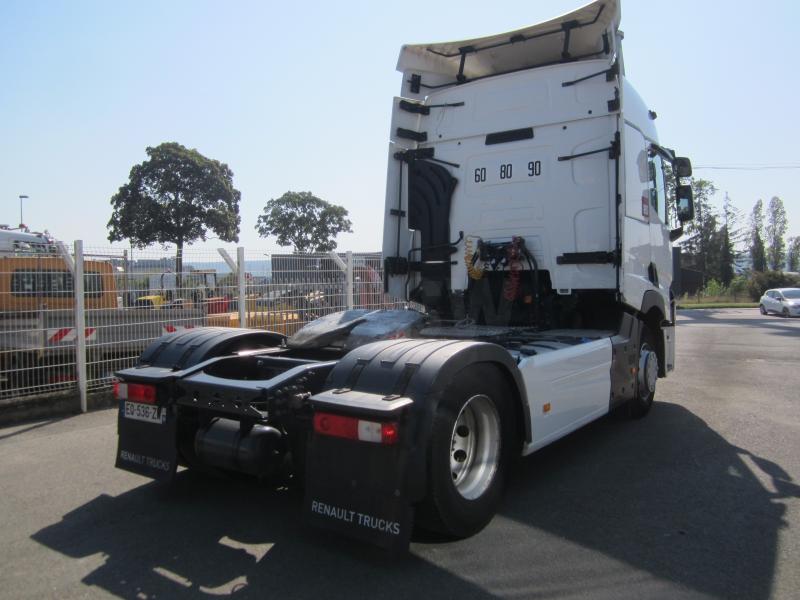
658,191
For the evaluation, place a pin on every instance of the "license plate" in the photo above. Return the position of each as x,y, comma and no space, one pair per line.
144,412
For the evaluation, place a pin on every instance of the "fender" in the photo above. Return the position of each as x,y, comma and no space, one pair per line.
421,369
652,299
187,348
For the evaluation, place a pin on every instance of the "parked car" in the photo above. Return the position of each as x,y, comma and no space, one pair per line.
781,301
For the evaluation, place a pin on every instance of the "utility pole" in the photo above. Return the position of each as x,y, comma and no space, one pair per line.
21,198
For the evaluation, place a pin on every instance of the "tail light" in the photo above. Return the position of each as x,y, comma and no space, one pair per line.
351,428
135,392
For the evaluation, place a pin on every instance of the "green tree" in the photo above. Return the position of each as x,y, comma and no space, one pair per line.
776,230
761,282
176,196
758,253
702,242
303,221
793,253
726,257
729,237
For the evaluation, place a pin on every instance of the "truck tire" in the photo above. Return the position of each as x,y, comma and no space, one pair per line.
473,441
646,375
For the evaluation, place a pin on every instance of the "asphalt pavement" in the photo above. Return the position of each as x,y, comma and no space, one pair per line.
701,499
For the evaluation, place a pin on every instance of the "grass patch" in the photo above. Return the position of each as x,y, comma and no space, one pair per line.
684,304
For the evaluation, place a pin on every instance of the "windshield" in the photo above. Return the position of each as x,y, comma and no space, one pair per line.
792,294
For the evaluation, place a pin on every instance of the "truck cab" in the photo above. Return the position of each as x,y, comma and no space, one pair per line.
526,185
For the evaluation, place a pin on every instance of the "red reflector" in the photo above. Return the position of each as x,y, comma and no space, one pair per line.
139,392
335,425
389,433
351,428
135,392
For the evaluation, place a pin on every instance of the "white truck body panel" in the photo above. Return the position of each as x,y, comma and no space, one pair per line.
645,229
567,388
558,206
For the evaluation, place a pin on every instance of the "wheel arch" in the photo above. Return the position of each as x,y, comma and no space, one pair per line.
653,315
422,369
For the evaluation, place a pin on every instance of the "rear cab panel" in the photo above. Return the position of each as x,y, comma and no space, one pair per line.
507,132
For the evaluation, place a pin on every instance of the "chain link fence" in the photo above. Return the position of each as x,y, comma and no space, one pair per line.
72,315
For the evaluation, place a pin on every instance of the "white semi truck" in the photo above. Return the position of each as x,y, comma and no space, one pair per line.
527,219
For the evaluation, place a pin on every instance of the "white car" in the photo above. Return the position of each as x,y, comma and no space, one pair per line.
781,301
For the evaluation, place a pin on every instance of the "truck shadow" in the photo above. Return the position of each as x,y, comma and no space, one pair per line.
657,507
665,495
207,536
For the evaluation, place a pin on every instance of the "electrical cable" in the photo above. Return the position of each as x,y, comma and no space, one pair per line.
745,168
512,284
472,259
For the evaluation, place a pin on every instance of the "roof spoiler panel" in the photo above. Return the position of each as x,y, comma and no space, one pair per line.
588,32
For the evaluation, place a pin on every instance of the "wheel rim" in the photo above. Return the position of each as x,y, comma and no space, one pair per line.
475,447
648,371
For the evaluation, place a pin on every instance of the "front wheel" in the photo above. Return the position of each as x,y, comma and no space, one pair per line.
762,309
646,375
473,441
785,312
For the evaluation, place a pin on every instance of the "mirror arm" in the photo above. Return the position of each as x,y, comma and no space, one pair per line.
665,153
674,234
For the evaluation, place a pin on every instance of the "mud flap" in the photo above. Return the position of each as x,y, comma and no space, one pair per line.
148,448
358,488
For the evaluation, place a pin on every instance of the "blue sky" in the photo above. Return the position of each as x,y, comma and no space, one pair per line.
297,96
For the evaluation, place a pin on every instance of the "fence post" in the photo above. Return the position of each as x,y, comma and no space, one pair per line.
80,324
125,277
240,271
350,281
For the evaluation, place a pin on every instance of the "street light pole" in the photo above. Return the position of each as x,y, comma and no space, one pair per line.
21,198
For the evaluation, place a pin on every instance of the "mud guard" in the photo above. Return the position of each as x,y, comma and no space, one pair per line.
146,448
187,348
367,490
357,487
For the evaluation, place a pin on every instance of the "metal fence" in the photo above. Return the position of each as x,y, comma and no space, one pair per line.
71,316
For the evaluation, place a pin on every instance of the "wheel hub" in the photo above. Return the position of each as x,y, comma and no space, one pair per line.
475,447
648,370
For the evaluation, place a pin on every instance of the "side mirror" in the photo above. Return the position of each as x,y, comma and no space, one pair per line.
684,203
682,167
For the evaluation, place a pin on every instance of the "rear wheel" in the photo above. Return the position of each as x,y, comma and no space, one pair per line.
473,442
762,309
646,375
